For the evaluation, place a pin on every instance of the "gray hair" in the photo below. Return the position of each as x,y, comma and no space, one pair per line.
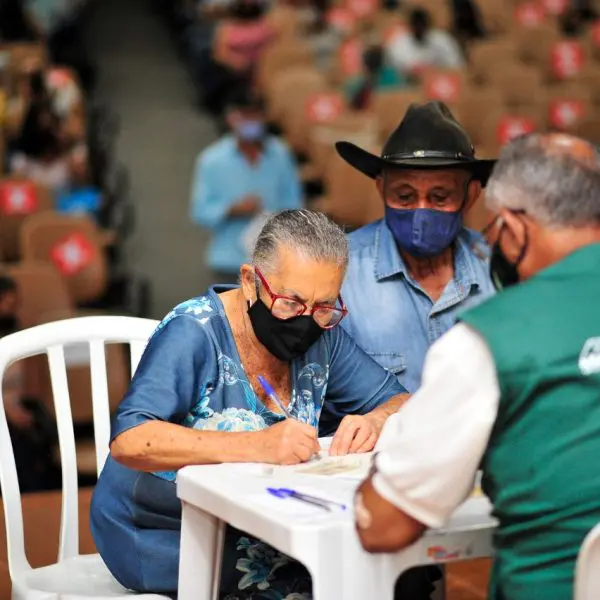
310,233
556,188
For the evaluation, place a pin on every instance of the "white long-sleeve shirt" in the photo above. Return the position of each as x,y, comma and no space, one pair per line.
439,49
429,452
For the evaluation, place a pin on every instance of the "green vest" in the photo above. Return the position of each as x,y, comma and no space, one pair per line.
542,465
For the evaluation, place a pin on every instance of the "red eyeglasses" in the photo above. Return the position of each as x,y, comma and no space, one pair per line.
285,308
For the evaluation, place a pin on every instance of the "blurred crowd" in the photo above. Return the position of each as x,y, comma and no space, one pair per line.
65,212
284,80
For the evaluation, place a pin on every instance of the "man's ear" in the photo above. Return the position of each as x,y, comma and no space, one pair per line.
379,182
474,190
514,234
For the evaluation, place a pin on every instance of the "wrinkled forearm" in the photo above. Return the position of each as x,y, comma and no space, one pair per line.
161,446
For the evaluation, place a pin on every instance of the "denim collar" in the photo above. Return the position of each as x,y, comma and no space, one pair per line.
389,262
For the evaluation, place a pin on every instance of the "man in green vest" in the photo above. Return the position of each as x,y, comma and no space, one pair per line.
513,389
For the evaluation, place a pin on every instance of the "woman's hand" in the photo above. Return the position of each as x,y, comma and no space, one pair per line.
288,442
356,434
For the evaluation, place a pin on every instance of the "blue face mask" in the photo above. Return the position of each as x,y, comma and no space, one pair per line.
423,232
250,131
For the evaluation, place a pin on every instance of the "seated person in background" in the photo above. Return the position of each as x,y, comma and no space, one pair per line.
42,154
423,46
376,75
410,273
467,23
237,179
323,37
575,19
195,399
55,87
239,41
514,388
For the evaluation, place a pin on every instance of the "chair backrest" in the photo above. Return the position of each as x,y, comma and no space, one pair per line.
587,568
290,88
352,198
446,85
517,84
358,127
281,56
495,15
390,107
20,198
42,292
74,245
51,339
487,56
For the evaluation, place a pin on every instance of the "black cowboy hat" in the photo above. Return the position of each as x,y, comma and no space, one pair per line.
428,137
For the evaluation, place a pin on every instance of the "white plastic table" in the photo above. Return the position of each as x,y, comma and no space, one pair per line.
215,495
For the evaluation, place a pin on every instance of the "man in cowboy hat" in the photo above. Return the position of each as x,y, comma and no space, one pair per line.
410,273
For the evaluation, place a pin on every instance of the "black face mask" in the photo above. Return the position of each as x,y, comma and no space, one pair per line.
502,271
287,339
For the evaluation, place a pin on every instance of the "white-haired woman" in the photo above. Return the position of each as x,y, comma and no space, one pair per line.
200,372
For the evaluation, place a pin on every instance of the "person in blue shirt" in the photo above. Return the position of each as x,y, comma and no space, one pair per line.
195,399
236,180
413,271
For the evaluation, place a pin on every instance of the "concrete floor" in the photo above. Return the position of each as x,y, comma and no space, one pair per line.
144,81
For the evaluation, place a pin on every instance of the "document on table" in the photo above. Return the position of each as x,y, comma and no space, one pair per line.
351,466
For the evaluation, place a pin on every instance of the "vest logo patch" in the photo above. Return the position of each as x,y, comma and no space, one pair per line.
589,359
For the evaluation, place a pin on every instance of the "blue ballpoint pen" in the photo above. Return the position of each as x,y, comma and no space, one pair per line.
308,499
272,395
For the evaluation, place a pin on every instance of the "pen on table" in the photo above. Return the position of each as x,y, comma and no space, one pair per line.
272,395
306,498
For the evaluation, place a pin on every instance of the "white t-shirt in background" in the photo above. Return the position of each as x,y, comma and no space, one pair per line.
438,49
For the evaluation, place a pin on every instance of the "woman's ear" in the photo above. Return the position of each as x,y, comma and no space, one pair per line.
248,283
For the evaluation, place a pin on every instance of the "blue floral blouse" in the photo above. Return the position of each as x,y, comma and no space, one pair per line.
191,374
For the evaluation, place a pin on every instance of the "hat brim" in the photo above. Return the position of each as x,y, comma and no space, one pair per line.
372,165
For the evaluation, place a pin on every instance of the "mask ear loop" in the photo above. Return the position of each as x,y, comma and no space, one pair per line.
519,260
257,289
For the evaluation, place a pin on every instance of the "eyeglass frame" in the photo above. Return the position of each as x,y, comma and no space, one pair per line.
274,297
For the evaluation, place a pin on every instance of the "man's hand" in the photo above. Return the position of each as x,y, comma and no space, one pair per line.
248,205
356,434
288,442
381,526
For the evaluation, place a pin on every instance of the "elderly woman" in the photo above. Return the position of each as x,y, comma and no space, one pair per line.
195,399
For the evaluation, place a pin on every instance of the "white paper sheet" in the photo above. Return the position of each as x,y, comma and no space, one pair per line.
352,466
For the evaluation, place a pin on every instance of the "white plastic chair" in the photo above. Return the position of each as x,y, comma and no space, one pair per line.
74,576
587,569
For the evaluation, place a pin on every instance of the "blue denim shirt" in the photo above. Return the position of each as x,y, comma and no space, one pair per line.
223,176
390,316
